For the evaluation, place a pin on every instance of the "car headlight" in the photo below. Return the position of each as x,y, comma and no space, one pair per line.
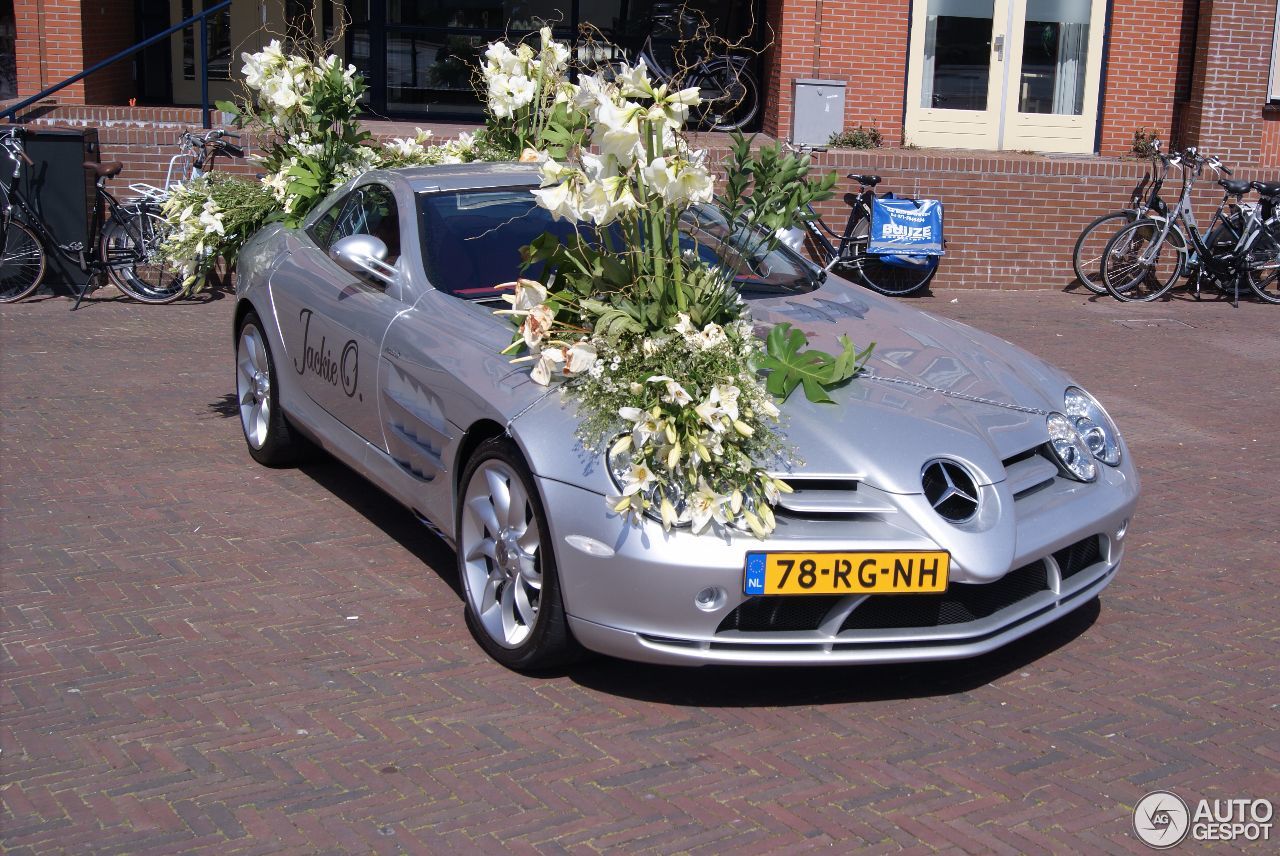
1070,448
619,469
1094,425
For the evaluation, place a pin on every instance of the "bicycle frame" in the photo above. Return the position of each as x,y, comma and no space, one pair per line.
1184,213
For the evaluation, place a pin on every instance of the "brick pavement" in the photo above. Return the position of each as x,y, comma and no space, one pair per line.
202,655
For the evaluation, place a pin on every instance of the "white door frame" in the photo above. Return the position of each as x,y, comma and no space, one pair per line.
1001,126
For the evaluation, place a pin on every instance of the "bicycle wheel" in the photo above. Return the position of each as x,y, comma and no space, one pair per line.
131,251
22,263
1130,278
738,102
894,280
1086,256
874,273
1262,266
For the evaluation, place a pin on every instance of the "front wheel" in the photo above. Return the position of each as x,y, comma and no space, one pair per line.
1142,261
507,563
21,263
131,252
1086,256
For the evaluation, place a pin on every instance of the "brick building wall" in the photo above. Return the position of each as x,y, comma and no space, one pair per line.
59,38
1232,79
862,42
1153,57
1144,69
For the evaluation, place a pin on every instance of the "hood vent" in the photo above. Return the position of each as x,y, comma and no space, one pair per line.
821,496
1029,471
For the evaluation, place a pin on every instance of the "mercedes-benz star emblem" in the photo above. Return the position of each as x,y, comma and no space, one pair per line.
950,490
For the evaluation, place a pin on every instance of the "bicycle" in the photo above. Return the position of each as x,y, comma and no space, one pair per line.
195,152
729,90
895,276
1086,255
1238,243
123,241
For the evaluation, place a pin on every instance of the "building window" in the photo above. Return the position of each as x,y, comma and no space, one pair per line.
218,50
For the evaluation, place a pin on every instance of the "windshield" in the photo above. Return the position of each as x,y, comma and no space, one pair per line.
472,238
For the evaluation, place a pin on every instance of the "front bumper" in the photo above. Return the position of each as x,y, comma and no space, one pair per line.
641,602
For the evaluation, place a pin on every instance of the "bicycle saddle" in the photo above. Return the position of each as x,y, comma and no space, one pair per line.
1236,187
868,180
104,170
1266,188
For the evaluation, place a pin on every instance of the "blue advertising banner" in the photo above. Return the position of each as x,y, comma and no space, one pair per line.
906,227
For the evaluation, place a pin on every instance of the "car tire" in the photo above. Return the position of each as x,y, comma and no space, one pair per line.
506,563
271,441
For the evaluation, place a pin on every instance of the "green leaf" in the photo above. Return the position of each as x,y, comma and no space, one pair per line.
789,364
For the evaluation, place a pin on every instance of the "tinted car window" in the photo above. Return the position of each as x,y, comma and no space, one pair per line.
370,210
472,240
322,229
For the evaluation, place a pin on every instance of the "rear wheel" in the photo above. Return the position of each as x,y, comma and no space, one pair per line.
507,563
1086,256
877,274
131,251
1262,267
1132,271
22,263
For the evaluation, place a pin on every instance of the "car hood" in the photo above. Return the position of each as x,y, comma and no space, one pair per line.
931,387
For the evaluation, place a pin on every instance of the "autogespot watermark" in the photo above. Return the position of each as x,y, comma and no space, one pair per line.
1162,819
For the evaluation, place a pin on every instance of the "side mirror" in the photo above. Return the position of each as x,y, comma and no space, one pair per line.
363,255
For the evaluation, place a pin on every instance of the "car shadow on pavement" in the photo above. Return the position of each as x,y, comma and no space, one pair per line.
388,515
724,686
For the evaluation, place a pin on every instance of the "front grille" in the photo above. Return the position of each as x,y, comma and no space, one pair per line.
1080,555
961,603
776,613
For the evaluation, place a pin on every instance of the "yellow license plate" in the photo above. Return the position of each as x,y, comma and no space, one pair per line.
914,572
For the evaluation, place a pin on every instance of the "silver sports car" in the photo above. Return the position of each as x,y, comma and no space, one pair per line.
960,494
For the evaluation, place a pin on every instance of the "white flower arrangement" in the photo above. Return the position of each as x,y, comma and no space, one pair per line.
658,349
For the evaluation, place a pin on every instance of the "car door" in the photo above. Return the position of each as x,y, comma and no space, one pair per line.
333,321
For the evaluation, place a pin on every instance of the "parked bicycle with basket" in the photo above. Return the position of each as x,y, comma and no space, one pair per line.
889,244
123,241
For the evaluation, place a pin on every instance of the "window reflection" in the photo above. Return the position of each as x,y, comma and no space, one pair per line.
957,54
1054,54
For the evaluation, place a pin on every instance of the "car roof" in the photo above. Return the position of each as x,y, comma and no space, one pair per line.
468,176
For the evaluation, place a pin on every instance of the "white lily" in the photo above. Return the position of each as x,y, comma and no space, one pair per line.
547,362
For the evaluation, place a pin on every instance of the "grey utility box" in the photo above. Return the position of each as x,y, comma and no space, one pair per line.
819,111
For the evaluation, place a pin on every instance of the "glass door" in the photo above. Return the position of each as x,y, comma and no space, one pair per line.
1055,53
1005,74
954,88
